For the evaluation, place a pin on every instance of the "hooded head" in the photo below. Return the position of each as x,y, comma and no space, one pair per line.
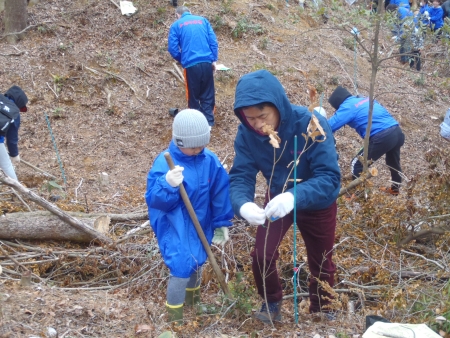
339,95
261,88
190,129
19,97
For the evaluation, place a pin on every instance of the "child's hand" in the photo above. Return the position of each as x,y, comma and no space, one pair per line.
220,236
175,176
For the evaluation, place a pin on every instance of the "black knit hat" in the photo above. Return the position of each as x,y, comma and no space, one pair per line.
19,97
339,95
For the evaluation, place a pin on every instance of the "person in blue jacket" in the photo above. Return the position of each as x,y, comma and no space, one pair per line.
423,14
401,3
436,16
18,96
207,186
386,136
260,101
403,29
193,43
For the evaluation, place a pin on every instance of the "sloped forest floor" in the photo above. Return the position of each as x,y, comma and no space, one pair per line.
100,90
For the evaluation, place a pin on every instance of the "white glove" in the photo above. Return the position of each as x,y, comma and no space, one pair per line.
220,236
426,13
280,205
252,213
175,176
321,111
15,160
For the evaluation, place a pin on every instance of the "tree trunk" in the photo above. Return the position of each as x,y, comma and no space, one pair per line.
35,226
15,18
72,221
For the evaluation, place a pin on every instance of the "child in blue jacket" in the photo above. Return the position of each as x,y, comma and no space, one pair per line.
436,15
386,136
207,186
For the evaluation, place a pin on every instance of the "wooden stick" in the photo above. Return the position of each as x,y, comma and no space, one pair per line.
112,74
178,70
115,4
200,233
171,71
38,169
20,198
52,90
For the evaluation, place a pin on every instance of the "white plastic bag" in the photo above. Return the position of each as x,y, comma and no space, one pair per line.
398,330
445,126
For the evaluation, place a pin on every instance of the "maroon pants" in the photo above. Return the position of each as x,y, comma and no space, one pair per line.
317,228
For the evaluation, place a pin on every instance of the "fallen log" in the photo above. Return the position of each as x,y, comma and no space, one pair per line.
72,221
32,226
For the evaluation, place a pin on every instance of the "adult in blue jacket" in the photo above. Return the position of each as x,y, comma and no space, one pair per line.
207,186
193,43
260,100
386,136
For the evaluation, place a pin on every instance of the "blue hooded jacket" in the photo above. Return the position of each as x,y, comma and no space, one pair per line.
192,41
401,3
318,167
436,17
354,111
207,185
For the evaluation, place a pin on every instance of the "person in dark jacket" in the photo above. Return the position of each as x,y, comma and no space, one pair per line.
18,96
193,43
386,136
207,186
260,101
446,8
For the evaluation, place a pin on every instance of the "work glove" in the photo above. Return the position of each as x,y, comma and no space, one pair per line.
175,176
280,206
321,111
426,14
252,213
220,236
15,160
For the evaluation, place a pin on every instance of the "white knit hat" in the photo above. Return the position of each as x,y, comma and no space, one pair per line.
190,129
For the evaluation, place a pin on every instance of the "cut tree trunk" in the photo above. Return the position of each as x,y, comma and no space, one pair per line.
35,226
15,17
67,218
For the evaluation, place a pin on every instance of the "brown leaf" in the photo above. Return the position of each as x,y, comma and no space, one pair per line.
273,141
273,135
314,130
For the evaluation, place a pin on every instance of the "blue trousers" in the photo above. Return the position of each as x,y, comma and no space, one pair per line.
389,142
200,89
12,138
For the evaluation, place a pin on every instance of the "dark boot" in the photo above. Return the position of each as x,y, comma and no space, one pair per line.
270,312
192,297
175,314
